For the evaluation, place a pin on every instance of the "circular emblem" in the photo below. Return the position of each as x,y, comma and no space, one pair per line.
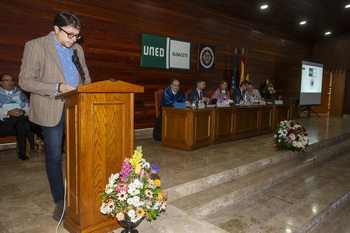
207,57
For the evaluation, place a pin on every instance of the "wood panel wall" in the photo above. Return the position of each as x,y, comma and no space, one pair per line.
112,44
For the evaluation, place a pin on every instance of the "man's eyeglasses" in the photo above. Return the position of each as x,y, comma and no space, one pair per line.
70,35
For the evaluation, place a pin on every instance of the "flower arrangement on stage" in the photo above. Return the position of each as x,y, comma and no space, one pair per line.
269,89
291,135
133,193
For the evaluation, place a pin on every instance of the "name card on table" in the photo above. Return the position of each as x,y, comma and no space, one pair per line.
201,106
179,105
278,101
263,102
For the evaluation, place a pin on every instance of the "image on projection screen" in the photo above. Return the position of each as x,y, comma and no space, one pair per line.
311,78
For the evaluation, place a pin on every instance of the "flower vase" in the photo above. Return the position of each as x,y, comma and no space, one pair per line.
129,226
267,95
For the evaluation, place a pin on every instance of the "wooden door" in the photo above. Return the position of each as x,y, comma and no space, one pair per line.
337,93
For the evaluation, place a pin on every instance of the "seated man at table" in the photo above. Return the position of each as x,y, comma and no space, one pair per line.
172,97
238,94
198,94
252,94
14,108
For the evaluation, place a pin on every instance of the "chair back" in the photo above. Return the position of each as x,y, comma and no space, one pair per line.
187,93
231,93
209,94
158,99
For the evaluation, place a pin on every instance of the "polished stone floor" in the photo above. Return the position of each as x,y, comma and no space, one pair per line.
26,204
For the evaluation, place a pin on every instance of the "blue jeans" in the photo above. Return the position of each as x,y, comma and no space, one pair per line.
53,137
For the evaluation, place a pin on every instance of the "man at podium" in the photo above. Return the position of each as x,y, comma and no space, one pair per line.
48,69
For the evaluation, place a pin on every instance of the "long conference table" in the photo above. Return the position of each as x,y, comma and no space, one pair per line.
188,129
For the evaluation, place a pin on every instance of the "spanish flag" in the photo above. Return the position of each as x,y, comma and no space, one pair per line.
242,67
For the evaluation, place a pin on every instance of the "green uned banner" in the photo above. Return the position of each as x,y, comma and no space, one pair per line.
164,52
153,51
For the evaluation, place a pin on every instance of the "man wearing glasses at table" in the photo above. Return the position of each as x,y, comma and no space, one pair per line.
47,70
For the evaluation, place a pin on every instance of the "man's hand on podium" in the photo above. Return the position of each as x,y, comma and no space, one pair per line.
66,88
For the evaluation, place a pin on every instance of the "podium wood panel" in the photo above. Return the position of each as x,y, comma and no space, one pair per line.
99,135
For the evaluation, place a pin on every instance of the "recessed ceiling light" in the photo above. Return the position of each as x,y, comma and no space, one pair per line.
347,6
264,7
302,22
327,33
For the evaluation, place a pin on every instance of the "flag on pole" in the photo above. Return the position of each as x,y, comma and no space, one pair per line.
246,73
242,68
233,83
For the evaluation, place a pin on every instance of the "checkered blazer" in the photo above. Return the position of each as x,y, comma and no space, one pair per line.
41,69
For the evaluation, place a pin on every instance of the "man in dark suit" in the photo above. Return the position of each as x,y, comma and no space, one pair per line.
239,93
198,93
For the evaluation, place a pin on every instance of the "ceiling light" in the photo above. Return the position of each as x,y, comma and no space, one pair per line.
327,33
347,6
264,7
302,22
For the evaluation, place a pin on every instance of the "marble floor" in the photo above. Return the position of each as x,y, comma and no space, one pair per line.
26,204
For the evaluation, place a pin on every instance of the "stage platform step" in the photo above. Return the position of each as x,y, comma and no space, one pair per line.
296,205
219,196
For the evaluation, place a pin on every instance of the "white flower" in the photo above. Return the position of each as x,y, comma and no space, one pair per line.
131,213
299,144
292,136
112,178
294,143
156,205
103,208
275,135
130,201
145,165
279,140
109,188
138,184
132,185
133,192
135,219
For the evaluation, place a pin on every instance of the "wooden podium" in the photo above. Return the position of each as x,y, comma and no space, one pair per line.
99,135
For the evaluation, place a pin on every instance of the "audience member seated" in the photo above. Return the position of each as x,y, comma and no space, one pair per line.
252,94
198,94
221,93
14,108
172,97
238,94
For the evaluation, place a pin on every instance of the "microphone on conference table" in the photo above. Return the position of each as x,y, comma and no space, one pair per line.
76,62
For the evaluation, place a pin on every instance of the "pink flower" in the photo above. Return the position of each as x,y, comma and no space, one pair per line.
121,187
120,216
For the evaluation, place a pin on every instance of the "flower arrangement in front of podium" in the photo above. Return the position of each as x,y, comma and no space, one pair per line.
291,135
133,194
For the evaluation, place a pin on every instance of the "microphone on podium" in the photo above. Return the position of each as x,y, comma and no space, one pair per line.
76,62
